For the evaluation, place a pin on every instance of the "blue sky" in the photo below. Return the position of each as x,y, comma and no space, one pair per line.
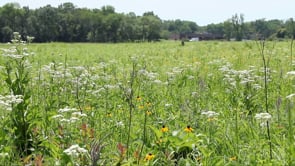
202,12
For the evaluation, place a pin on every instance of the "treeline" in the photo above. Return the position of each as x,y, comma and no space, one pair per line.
67,23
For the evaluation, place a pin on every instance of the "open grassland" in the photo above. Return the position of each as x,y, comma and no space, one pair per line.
205,103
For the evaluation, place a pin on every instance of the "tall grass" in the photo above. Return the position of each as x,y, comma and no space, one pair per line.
154,104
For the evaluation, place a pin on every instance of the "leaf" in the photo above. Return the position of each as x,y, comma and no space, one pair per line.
156,131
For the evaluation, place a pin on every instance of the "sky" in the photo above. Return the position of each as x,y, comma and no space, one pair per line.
203,12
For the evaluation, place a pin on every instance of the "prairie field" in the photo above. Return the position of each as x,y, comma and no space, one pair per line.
204,103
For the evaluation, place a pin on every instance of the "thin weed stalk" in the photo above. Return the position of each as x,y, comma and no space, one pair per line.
143,139
128,95
261,46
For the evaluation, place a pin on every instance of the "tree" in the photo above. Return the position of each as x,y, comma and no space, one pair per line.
47,24
216,29
290,25
291,33
151,25
6,34
228,28
10,20
238,26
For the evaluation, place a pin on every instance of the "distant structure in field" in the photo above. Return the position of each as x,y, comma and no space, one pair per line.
197,36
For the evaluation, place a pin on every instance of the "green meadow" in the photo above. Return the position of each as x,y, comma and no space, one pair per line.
204,103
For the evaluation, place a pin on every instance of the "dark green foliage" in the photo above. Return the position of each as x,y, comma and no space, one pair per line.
67,23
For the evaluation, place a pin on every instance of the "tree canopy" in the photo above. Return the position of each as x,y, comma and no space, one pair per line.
67,23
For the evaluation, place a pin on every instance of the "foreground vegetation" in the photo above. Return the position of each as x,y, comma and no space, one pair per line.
205,103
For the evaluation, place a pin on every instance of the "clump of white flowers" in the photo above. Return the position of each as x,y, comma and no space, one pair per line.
263,117
210,114
290,96
75,150
7,101
69,115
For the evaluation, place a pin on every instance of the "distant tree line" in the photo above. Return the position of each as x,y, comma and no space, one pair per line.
67,23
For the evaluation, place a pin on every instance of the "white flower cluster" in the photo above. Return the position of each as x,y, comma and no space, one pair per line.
210,114
4,154
291,73
152,76
263,117
239,76
75,150
7,101
290,96
67,109
56,70
12,53
75,116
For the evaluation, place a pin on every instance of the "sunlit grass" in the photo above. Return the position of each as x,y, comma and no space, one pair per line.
156,104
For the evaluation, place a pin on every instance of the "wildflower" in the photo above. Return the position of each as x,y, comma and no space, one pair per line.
73,119
148,104
148,112
109,114
168,105
211,119
188,129
210,114
164,129
290,96
234,158
160,141
149,157
157,81
75,150
138,98
4,154
66,109
263,116
291,73
119,123
57,116
78,114
88,108
6,101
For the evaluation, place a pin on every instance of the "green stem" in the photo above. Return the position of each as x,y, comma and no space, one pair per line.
144,138
262,47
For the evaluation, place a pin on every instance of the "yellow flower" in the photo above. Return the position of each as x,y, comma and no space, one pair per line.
87,108
109,114
164,129
188,129
148,112
148,104
234,158
160,141
149,157
211,119
138,98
